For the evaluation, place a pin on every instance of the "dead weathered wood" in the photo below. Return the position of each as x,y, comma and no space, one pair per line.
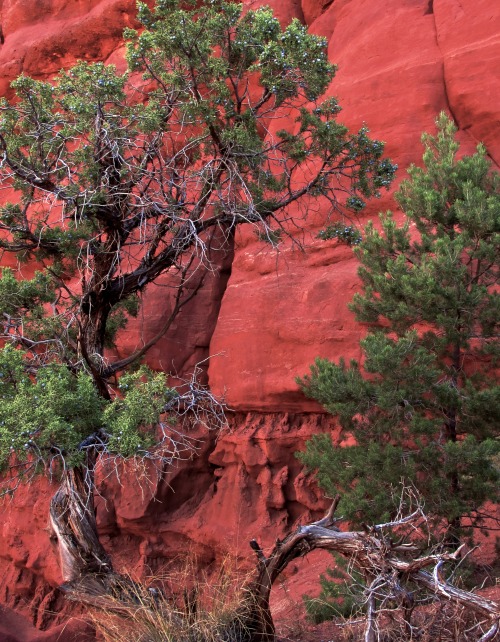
90,579
73,522
375,556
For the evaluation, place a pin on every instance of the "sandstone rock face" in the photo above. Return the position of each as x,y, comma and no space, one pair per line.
15,628
263,321
399,64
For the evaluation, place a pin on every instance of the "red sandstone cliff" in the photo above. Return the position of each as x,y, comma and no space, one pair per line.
400,63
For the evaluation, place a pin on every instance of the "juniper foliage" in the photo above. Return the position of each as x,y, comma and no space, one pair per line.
121,179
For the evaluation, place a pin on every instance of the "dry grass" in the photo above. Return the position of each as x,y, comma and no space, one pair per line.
182,607
177,608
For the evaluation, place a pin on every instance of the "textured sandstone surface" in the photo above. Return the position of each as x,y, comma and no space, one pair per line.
399,65
400,62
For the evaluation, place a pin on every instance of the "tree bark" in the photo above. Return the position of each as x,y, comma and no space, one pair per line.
374,555
73,521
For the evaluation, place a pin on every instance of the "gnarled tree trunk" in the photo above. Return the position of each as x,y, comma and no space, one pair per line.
73,521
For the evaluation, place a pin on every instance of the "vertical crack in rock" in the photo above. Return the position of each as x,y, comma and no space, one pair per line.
314,9
443,67
468,131
467,128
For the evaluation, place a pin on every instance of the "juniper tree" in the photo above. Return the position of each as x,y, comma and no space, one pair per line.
119,179
424,404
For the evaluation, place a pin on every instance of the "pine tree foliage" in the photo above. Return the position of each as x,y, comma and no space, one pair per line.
341,595
424,405
120,179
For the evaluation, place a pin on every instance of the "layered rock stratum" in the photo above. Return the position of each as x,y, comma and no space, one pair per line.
266,317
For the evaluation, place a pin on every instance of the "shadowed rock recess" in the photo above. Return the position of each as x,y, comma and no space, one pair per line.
263,319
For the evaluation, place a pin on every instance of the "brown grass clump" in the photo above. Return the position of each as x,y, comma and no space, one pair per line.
177,608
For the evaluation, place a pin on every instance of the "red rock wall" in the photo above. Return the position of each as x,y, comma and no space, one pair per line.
400,63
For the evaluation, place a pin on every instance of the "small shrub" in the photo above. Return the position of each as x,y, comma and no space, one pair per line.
347,234
341,594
